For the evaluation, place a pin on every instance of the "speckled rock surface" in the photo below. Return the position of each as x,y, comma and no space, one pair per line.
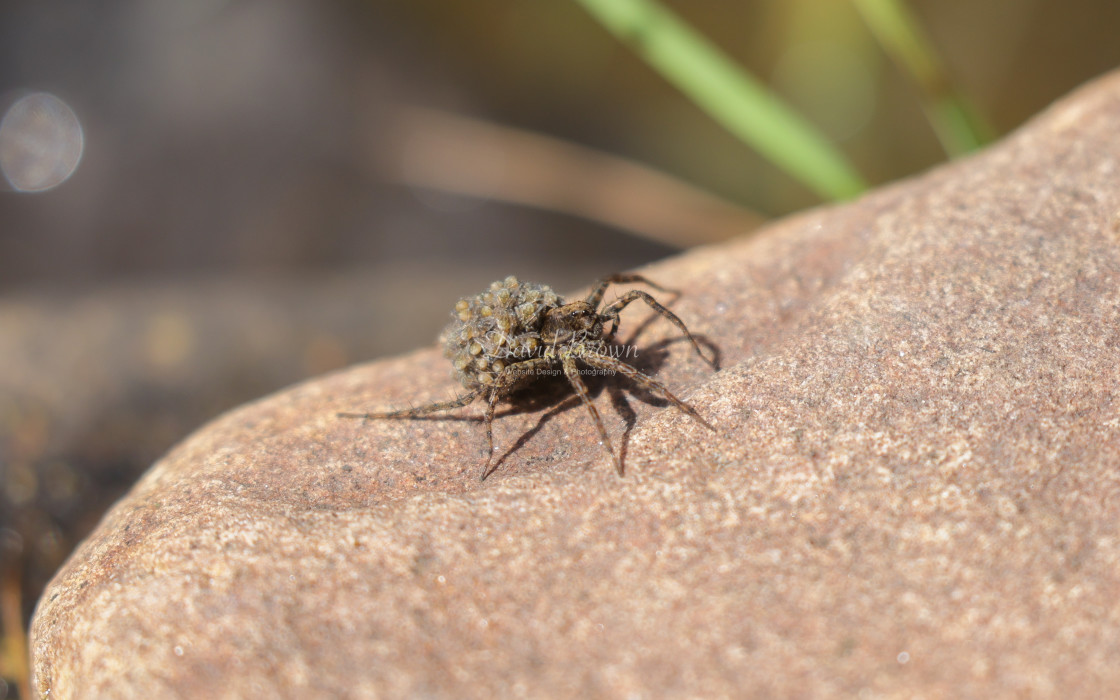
914,491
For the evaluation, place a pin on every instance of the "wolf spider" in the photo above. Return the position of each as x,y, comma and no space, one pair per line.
514,332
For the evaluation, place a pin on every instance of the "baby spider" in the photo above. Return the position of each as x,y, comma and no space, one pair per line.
515,332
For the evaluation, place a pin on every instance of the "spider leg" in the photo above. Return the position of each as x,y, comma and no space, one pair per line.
572,373
596,294
420,410
610,363
611,312
506,381
491,403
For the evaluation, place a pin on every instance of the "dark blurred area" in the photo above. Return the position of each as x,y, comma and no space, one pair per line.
202,202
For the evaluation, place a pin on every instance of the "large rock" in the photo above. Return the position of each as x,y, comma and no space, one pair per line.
914,489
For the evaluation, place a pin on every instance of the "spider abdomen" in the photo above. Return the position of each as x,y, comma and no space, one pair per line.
496,328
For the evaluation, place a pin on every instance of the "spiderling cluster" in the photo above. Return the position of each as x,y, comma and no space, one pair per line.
513,332
495,328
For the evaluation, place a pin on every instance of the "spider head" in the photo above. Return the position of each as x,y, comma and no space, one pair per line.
575,320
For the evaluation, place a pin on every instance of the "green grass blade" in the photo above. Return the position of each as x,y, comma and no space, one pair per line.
958,125
729,95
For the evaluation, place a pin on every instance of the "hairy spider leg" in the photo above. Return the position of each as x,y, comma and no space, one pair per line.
596,294
572,373
418,411
611,312
491,404
507,379
610,363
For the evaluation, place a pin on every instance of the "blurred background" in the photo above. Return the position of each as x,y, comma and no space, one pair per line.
204,201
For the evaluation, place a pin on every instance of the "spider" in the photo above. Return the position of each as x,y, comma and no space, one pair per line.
515,332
